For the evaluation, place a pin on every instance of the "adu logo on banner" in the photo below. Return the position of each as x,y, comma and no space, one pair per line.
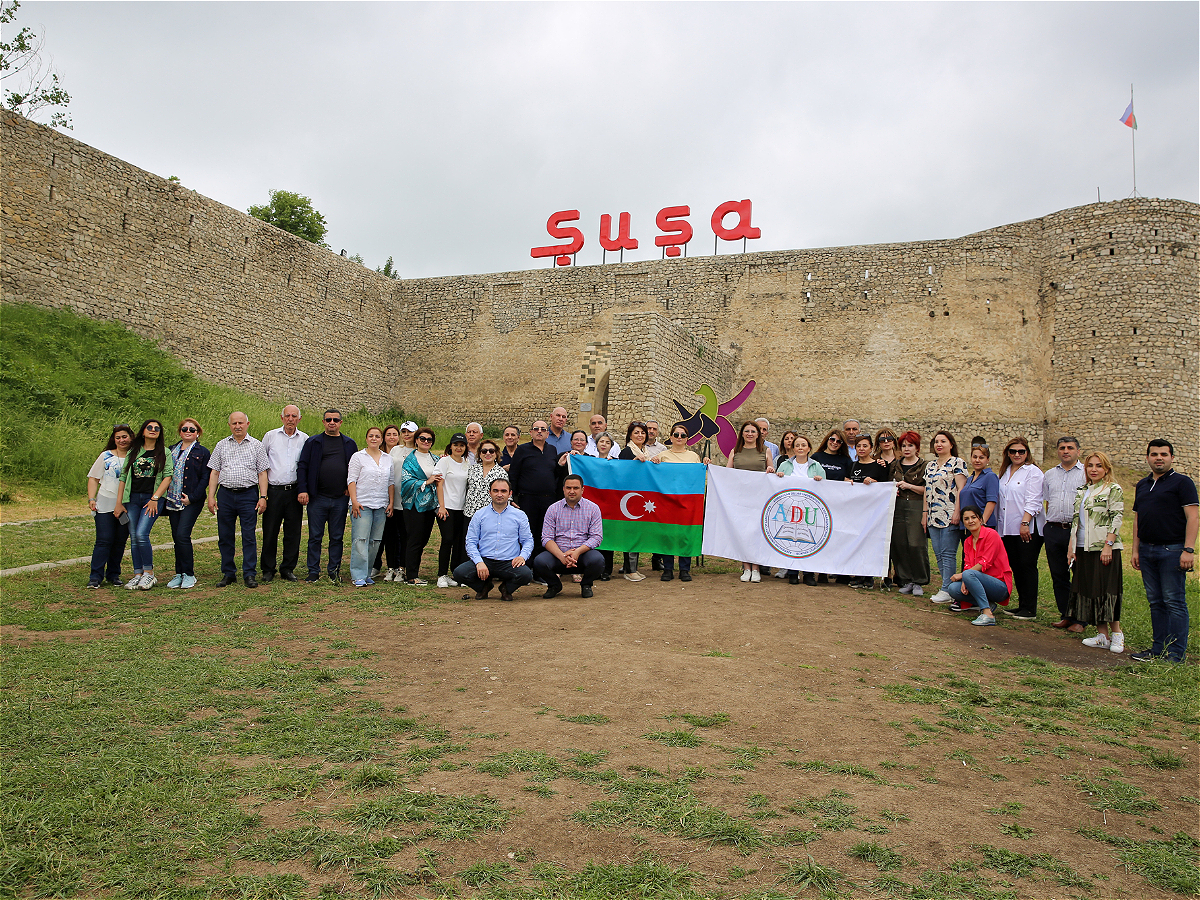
796,522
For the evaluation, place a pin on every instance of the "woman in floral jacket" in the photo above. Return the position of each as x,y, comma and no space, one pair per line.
1095,552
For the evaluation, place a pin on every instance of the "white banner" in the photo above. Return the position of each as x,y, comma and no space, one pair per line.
835,527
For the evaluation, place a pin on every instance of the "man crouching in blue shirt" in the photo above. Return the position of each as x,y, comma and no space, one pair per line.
498,543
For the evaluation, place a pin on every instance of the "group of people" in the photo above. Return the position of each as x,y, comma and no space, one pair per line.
511,511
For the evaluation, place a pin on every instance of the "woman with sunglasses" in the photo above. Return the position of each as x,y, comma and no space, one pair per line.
418,496
185,499
147,475
104,491
910,558
677,452
1021,518
887,447
480,477
834,456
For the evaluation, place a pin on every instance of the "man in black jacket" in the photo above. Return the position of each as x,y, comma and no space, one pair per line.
536,478
321,481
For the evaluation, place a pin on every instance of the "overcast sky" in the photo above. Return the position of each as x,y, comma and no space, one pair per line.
445,134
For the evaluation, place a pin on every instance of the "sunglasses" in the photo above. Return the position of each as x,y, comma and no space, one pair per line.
188,429
679,434
835,440
425,439
331,421
1017,451
887,440
539,428
152,428
488,450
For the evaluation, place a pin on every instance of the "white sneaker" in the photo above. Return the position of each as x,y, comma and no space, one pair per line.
132,583
1117,643
908,588
1098,641
917,591
443,581
782,573
374,572
755,576
390,576
189,581
745,575
175,582
399,574
941,597
147,581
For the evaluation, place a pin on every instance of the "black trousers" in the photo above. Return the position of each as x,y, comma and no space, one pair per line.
534,506
1057,540
453,551
282,509
394,543
548,567
419,526
1023,557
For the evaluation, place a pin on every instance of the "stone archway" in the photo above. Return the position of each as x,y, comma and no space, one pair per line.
593,382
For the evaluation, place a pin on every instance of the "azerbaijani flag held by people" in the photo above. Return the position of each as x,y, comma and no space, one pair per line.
647,507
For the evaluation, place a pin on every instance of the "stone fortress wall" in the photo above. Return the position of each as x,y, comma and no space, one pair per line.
1083,321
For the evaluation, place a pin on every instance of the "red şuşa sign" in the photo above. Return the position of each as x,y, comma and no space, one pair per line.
671,221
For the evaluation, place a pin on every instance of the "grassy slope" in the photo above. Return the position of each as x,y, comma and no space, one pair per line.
66,380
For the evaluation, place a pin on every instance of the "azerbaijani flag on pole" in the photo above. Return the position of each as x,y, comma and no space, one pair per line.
1127,116
647,507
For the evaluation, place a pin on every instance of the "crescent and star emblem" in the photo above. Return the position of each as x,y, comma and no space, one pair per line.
648,506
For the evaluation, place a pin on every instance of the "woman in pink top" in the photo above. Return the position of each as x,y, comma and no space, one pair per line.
986,579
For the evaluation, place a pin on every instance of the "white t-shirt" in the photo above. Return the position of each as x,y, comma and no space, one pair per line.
454,487
107,470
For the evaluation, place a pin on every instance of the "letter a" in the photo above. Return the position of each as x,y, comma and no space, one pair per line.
743,229
623,241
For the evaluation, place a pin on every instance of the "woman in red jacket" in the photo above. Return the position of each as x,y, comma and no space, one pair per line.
986,579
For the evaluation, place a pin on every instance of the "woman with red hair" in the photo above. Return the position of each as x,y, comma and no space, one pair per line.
909,555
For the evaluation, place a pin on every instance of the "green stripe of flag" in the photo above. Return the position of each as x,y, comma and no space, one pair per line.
652,537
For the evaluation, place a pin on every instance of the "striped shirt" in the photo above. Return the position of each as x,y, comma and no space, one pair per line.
572,527
239,464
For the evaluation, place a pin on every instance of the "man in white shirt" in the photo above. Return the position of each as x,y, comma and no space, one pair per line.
474,434
283,447
1058,491
598,425
653,445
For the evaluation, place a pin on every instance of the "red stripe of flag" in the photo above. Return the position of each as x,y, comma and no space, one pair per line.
668,509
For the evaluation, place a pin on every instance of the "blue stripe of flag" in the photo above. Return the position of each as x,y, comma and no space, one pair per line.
634,475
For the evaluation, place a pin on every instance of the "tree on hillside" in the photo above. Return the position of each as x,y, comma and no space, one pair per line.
389,269
293,213
21,64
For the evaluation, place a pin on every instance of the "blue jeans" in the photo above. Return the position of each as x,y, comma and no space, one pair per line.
985,591
139,531
182,523
685,564
1165,592
232,507
945,551
111,536
326,511
366,533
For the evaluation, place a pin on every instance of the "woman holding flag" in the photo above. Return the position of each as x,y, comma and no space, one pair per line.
677,452
635,448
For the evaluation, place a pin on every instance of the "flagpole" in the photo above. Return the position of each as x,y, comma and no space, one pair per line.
1133,145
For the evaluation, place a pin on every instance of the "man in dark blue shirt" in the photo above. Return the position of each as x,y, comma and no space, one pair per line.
536,477
1165,516
321,482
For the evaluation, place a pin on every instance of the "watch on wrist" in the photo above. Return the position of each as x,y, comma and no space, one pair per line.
1189,549
1109,543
